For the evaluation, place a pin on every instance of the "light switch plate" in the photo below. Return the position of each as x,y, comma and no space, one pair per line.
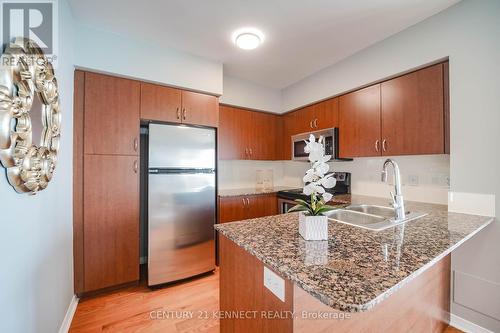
274,283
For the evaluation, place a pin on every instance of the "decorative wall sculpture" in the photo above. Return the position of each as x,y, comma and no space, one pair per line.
27,79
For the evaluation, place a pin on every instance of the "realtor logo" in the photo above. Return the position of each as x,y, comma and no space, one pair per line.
36,20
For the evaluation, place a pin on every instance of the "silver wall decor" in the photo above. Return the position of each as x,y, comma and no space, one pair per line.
27,79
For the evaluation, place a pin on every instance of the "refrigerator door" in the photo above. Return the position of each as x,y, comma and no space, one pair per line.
173,146
181,225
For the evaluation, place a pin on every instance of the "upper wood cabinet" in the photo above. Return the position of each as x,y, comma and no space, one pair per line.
200,109
413,113
247,207
359,123
178,106
111,115
111,215
263,136
309,119
407,115
160,103
245,134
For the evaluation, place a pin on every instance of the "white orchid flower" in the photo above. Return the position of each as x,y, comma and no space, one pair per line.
320,169
310,176
316,178
327,196
329,181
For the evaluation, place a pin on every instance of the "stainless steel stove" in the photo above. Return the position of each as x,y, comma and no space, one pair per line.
286,197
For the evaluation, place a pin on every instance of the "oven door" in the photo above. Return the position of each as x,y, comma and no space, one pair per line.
284,205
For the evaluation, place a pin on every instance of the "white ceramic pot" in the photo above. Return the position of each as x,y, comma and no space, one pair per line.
313,227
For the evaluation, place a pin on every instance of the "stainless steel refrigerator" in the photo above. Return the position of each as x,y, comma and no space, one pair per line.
181,202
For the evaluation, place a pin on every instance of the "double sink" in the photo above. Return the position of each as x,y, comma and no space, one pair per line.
370,217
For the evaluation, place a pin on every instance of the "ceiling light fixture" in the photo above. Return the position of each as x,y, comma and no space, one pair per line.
248,38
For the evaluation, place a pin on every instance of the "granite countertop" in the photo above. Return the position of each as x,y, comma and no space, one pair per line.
251,191
356,268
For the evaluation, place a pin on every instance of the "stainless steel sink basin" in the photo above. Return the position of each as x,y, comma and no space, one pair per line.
387,212
370,217
353,217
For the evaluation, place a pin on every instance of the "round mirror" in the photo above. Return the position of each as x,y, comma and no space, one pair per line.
30,118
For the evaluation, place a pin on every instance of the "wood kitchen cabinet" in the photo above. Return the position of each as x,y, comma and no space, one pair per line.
111,215
245,134
406,115
359,123
178,106
312,118
413,117
247,207
200,109
160,103
111,115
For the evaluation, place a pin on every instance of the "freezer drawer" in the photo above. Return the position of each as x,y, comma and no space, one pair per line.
181,215
181,147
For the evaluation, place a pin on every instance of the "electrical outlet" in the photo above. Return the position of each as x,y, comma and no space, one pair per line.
274,283
413,180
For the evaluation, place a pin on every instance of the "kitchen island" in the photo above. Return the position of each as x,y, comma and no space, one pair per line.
397,279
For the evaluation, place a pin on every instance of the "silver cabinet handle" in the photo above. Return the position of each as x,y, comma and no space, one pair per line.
136,166
184,112
251,151
248,202
178,110
136,144
246,152
316,123
244,203
384,145
376,145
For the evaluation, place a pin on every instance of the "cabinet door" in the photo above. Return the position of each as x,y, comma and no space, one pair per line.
359,123
269,205
111,220
262,141
324,114
413,113
160,103
291,123
200,109
232,209
262,205
111,115
234,128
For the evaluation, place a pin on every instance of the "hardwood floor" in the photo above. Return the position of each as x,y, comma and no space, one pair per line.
140,309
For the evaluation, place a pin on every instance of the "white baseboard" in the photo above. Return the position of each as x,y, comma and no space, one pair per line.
466,326
69,315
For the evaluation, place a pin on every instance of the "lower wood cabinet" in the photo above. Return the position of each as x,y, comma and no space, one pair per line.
247,207
111,221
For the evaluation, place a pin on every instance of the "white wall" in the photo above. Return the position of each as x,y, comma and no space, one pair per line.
467,33
111,53
425,178
242,174
238,92
36,237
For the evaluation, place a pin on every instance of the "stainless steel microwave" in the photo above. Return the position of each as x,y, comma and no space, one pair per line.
331,143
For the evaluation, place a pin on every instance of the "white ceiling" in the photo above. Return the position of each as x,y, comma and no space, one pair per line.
301,37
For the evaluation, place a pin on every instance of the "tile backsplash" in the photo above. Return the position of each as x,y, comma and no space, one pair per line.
425,178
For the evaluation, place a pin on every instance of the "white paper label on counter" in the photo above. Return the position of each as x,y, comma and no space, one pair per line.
274,283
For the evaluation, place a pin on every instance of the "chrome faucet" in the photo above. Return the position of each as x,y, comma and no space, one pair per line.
397,196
